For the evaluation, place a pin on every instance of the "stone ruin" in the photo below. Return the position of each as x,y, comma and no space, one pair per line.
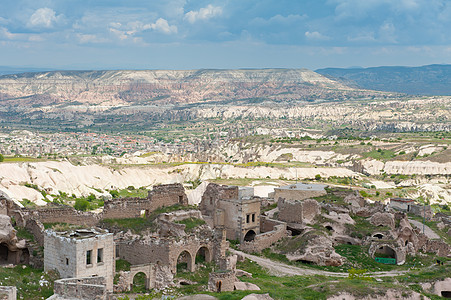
12,250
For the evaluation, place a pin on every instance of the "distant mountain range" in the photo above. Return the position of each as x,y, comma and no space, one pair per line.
425,80
162,87
17,70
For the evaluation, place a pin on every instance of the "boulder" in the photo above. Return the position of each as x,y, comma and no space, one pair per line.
383,219
246,286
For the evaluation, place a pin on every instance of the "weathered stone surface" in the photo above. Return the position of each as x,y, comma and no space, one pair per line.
258,297
246,286
221,281
383,219
319,250
13,250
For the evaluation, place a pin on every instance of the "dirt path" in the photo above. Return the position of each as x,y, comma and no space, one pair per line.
427,230
280,269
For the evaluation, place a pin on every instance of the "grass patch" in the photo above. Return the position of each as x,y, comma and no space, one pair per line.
191,223
141,224
30,283
23,233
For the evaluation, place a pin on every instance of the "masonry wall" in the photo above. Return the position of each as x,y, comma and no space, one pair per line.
139,252
225,281
296,194
81,288
289,211
265,240
125,208
68,256
37,229
63,215
232,219
419,210
249,208
167,195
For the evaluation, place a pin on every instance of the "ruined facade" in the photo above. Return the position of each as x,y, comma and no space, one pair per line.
297,211
92,288
80,253
235,209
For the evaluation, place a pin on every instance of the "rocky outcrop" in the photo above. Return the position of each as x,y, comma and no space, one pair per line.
383,219
317,250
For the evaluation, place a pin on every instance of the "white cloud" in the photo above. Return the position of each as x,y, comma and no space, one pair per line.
315,35
204,13
44,18
6,34
163,26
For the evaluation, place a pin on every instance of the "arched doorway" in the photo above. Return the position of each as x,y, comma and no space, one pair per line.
139,284
385,252
203,255
250,236
184,262
4,253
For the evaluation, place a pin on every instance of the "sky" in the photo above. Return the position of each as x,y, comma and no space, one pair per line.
184,34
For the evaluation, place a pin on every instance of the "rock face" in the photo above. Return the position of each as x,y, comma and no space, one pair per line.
164,86
12,251
317,250
383,219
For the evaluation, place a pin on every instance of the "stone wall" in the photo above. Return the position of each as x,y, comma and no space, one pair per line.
310,209
221,281
125,208
81,288
266,239
289,210
68,255
420,210
63,214
8,292
37,229
167,195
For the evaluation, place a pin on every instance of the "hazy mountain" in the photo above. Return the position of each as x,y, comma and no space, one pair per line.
425,80
127,87
17,70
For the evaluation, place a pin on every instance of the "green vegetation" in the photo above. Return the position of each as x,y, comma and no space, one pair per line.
380,154
144,223
2,158
30,283
191,223
23,233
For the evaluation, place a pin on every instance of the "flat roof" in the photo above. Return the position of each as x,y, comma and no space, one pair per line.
402,200
300,186
79,233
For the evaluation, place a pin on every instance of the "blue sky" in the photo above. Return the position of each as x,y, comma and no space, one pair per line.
183,34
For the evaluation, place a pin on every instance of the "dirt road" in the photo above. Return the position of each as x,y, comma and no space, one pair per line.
280,269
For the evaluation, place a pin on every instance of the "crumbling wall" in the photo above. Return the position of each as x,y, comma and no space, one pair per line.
125,208
265,240
310,209
290,211
167,195
221,281
64,214
37,229
180,215
421,211
81,288
213,193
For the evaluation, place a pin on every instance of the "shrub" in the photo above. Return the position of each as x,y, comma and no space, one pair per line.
317,177
1,158
81,204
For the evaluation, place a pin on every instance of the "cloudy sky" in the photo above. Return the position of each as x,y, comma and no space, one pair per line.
184,34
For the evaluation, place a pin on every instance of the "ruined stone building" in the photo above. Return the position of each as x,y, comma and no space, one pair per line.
81,253
299,191
234,208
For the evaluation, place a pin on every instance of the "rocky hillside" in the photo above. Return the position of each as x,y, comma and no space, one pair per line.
146,87
425,80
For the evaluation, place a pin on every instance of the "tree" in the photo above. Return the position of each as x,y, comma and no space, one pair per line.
1,158
317,177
